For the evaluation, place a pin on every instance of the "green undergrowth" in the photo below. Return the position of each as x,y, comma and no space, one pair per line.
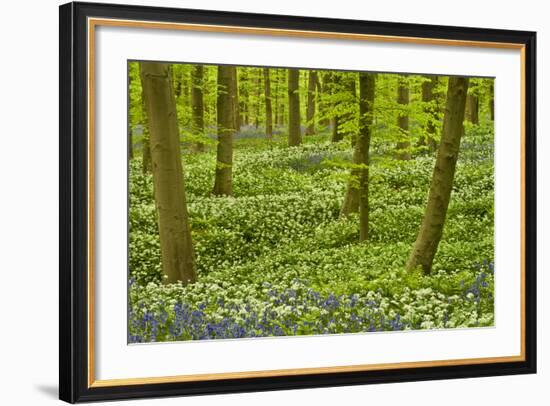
277,259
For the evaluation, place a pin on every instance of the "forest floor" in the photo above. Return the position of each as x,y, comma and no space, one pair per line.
277,259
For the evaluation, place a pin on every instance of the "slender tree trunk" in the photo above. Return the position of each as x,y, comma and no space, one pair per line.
492,99
178,258
310,115
404,144
130,144
337,134
366,116
356,183
351,198
430,109
145,142
177,83
324,104
472,108
350,115
258,93
431,229
284,100
185,86
268,112
243,97
294,131
235,93
320,106
276,99
197,105
226,131
130,140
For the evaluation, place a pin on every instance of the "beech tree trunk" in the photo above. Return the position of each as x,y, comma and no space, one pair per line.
472,108
130,140
145,142
430,109
275,118
177,83
351,198
226,131
185,83
235,93
323,102
350,115
310,114
197,105
337,134
404,144
320,104
366,116
268,108
358,183
492,99
294,131
282,115
177,254
243,97
431,229
258,93
130,144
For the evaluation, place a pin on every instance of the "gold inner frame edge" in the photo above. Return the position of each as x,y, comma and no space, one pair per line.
94,22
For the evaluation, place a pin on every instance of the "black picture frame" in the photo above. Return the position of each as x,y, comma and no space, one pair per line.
74,199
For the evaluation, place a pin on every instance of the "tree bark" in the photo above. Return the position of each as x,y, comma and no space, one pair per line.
235,93
431,229
130,140
226,131
145,141
281,116
243,97
324,104
430,109
366,116
268,108
310,114
258,93
351,198
178,258
130,144
358,183
350,115
185,86
337,134
146,155
276,99
472,109
404,144
177,83
294,131
492,99
197,105
320,104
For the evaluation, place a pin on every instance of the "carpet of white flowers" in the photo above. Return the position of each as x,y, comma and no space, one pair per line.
276,259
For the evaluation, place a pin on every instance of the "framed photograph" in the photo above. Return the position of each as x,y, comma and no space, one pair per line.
257,202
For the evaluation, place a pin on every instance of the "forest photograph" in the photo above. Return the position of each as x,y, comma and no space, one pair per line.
275,201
